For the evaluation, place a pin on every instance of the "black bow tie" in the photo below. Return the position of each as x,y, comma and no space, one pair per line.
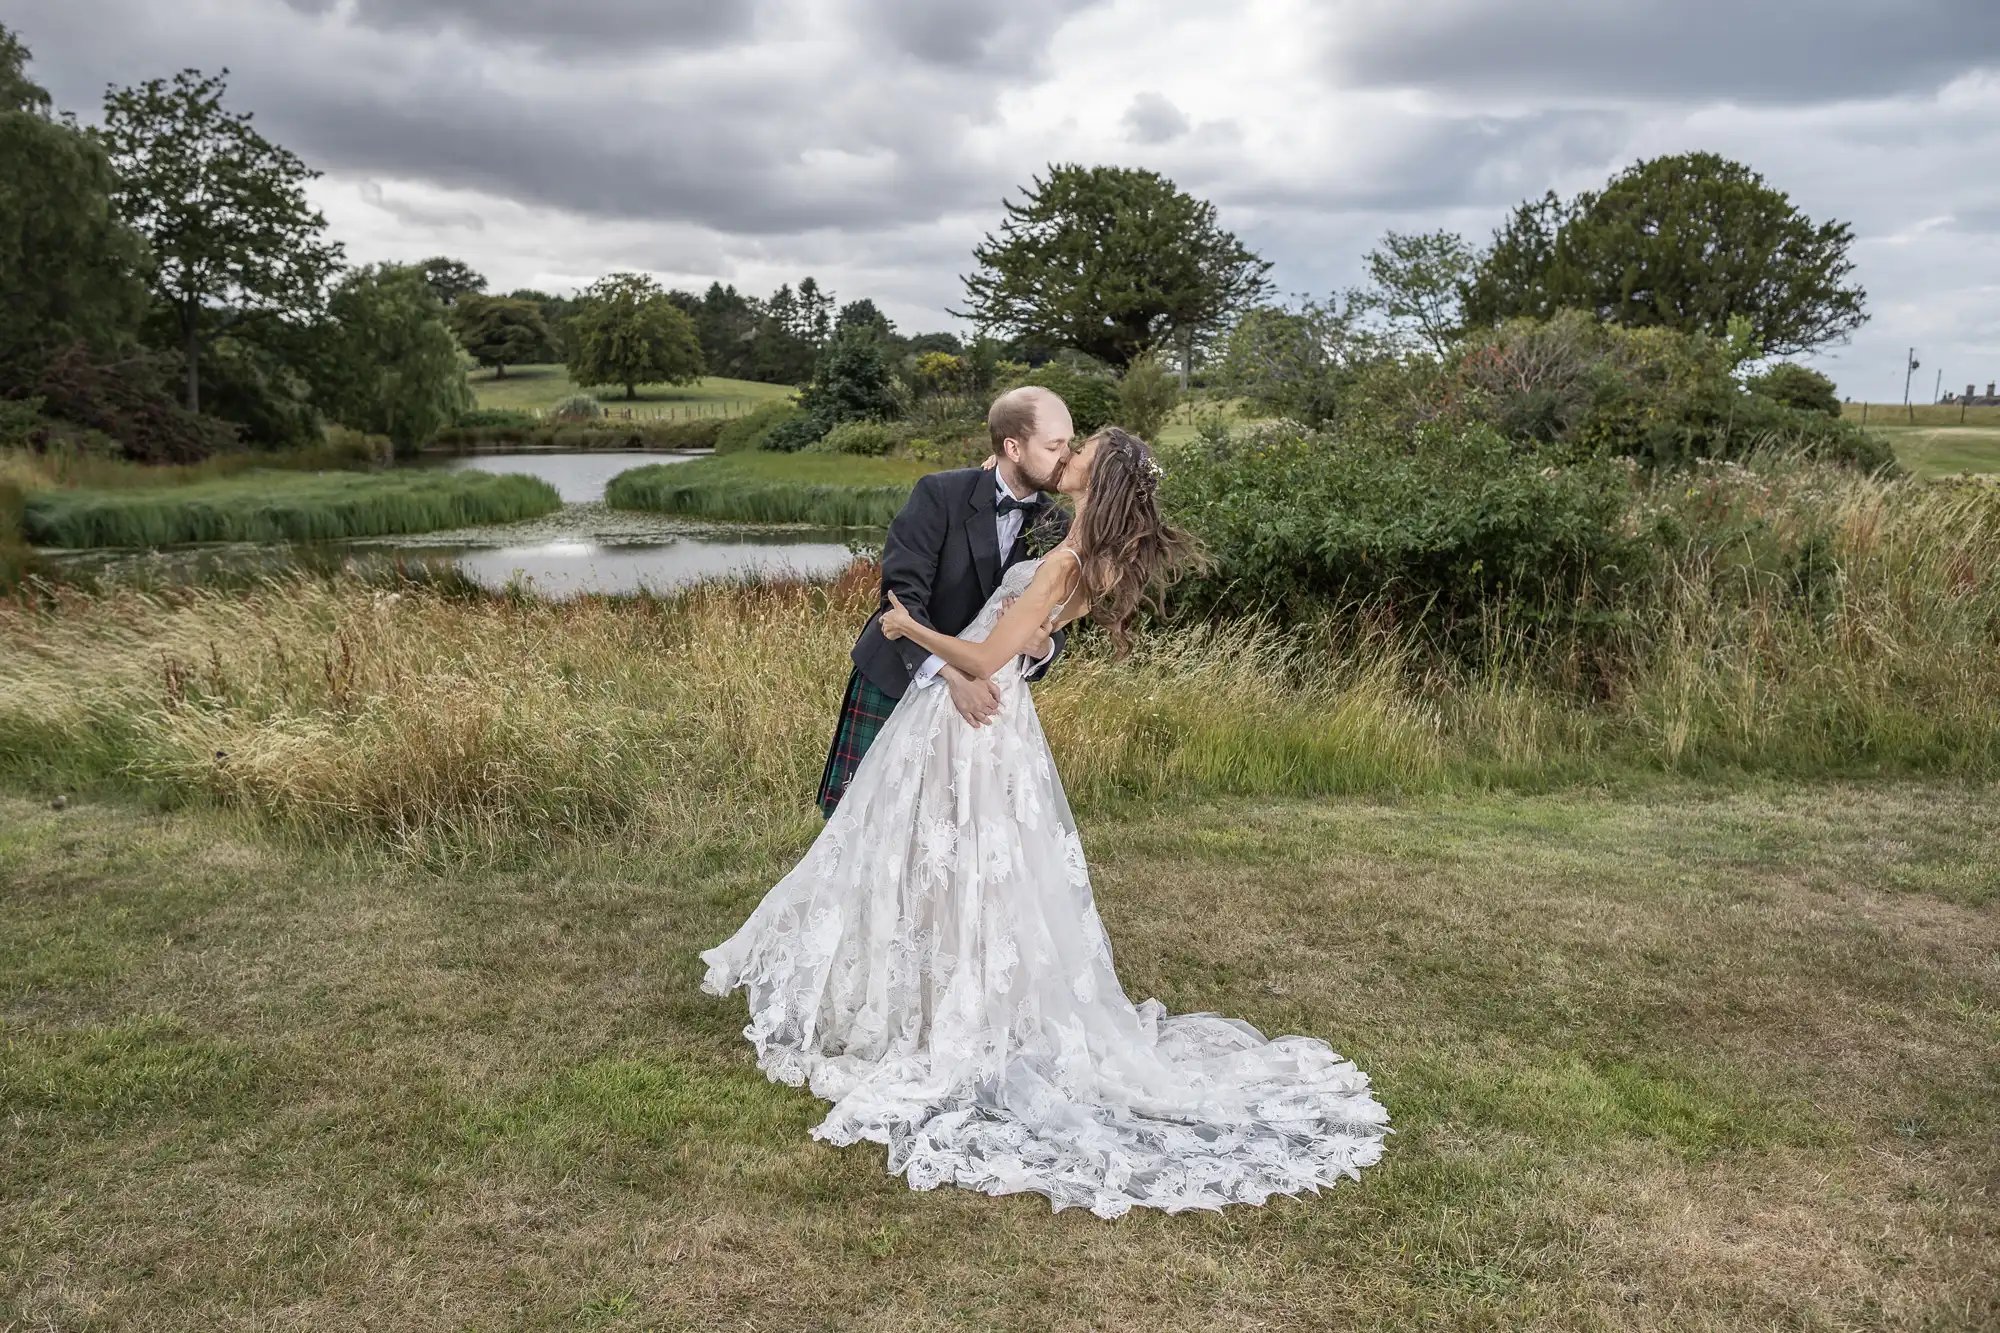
1007,504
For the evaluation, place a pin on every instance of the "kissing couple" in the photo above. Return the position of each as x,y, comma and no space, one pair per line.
935,966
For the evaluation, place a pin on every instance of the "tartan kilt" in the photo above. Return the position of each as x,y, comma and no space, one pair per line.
863,710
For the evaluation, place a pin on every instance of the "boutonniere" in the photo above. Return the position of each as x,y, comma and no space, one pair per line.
1047,529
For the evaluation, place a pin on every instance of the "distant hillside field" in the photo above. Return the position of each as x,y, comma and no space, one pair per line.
538,388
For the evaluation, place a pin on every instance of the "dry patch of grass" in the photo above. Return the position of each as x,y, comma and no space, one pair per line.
1671,1058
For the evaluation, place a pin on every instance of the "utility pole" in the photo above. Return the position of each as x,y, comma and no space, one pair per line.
1937,389
1908,371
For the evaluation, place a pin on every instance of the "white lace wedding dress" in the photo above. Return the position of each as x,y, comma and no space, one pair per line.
935,967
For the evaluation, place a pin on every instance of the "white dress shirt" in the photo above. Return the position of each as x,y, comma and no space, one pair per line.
1009,530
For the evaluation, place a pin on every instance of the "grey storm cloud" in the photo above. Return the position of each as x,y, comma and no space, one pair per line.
1750,51
1006,38
1152,119
857,125
558,25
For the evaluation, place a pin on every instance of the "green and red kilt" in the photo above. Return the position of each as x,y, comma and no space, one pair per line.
862,712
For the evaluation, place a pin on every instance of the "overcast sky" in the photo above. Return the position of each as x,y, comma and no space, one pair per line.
869,142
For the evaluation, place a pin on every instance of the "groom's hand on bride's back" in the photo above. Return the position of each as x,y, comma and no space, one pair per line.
976,700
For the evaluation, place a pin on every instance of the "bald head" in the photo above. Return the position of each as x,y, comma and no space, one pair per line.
1015,414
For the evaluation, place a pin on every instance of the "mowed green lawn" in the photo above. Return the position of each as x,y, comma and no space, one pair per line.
1935,439
1937,451
528,388
1669,1058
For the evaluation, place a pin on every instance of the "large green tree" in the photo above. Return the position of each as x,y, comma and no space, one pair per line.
451,279
498,331
629,332
388,362
1685,242
70,271
224,209
1110,261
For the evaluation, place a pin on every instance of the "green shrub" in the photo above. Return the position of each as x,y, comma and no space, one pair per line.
1798,387
1146,394
577,407
870,439
801,431
1664,398
753,431
1438,525
1091,396
497,418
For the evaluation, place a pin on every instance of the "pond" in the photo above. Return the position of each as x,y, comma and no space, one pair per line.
583,547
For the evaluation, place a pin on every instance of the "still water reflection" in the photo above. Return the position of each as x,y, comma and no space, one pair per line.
583,547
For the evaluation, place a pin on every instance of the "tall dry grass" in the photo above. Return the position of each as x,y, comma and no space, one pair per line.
1849,626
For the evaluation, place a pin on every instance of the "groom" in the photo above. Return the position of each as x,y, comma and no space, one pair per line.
956,535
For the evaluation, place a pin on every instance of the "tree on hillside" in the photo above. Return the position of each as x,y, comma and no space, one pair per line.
815,313
1416,282
388,362
628,332
1684,243
1110,261
1516,277
451,279
223,208
498,331
726,321
864,314
69,268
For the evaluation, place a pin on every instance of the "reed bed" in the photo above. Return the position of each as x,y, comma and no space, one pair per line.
282,506
827,491
462,725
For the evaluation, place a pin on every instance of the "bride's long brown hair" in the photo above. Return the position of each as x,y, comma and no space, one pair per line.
1123,546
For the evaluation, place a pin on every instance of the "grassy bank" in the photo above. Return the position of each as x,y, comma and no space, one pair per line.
1672,1059
830,490
476,727
538,388
275,506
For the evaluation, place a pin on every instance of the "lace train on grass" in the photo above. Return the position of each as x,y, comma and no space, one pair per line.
935,968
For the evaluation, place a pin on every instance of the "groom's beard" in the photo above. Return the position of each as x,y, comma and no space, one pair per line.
1046,484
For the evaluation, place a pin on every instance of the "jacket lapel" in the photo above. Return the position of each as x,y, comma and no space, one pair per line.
982,531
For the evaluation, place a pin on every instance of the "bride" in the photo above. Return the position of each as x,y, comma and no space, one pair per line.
936,969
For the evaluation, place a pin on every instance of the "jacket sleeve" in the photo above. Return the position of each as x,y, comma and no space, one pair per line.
910,561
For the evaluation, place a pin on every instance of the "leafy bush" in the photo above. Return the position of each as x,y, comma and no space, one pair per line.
577,407
871,439
1146,394
248,385
800,431
497,418
1798,387
934,373
1439,524
128,399
753,431
1663,398
1091,396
